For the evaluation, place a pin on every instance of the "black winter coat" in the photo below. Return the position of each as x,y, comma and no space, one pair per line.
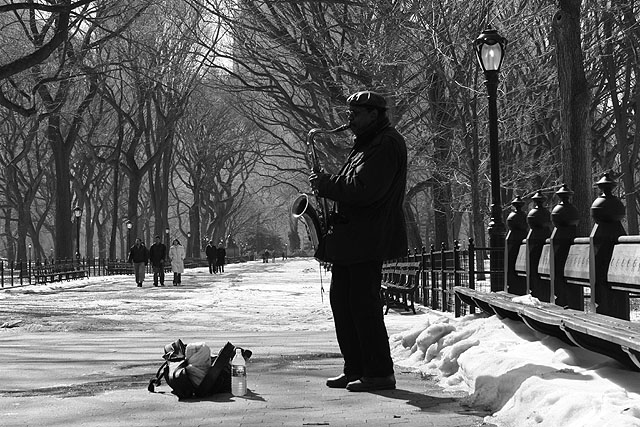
369,193
211,252
157,254
139,254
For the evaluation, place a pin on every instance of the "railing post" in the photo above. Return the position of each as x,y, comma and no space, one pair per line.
517,224
539,221
472,270
423,276
456,276
443,276
565,219
434,281
607,211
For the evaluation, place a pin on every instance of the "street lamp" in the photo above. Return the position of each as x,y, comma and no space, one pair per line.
166,232
77,212
189,244
129,226
490,48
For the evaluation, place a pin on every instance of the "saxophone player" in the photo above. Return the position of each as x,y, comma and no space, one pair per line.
368,194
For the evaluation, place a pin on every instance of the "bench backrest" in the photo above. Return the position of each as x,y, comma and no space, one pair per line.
576,268
624,267
521,260
403,273
544,266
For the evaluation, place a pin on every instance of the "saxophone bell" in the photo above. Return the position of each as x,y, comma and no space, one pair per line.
316,220
302,209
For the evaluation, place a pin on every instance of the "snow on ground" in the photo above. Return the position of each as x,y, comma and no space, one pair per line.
522,377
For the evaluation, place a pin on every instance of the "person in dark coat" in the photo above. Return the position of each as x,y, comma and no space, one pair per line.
222,254
157,256
139,256
368,227
212,254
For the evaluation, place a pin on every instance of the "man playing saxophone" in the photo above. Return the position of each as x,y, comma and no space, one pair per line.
368,192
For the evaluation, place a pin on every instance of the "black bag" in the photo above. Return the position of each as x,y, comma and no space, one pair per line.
217,379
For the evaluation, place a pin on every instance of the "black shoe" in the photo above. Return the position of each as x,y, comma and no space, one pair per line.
139,284
341,381
155,284
373,383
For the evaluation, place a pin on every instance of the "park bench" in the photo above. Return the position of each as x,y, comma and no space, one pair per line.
123,267
49,273
610,273
118,267
400,282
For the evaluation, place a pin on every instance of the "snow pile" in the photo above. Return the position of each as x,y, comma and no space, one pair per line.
522,377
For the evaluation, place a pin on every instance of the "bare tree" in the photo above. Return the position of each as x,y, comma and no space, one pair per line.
217,153
575,99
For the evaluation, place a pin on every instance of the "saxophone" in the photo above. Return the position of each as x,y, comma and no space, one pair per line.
316,220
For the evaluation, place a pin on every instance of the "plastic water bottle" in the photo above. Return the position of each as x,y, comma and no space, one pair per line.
238,374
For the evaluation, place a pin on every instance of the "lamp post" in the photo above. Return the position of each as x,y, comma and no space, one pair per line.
77,212
189,244
490,48
166,233
129,225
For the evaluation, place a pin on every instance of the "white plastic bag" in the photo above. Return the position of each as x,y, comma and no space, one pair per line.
198,356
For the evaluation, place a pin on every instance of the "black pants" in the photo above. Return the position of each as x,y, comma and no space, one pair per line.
212,266
359,320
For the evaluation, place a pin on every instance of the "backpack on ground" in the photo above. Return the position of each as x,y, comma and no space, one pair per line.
216,378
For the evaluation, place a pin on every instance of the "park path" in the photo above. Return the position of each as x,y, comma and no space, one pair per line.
82,354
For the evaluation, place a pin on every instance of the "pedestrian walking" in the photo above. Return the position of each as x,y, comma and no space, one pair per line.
177,255
221,258
157,256
367,228
212,254
139,257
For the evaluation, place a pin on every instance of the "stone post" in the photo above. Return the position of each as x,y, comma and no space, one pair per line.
565,220
607,212
517,225
539,221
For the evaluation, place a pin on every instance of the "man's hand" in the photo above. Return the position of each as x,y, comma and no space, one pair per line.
315,178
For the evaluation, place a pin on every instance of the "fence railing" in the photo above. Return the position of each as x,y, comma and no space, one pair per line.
29,272
443,269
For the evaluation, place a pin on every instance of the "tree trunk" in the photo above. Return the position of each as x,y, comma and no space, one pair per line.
61,153
620,107
575,102
116,209
11,248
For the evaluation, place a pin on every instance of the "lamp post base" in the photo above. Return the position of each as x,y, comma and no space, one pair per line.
497,234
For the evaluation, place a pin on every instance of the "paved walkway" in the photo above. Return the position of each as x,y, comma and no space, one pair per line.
82,354
100,379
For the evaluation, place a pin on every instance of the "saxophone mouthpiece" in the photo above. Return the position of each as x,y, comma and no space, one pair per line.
340,128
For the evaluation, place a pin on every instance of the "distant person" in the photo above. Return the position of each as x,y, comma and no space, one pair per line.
212,255
177,255
157,256
265,256
139,256
221,259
